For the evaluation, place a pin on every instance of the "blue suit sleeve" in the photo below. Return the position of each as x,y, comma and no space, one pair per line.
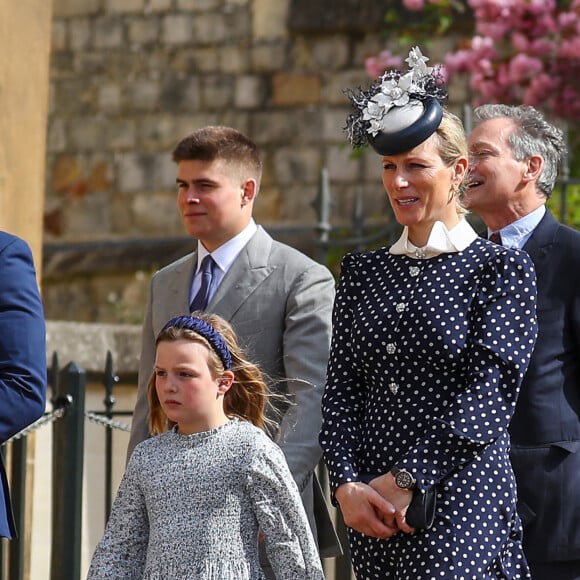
23,375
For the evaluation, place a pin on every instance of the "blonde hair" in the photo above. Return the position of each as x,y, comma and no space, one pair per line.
248,397
452,144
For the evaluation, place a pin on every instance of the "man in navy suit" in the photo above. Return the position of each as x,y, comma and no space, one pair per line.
514,158
22,353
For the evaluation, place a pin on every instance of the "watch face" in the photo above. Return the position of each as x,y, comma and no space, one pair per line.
404,479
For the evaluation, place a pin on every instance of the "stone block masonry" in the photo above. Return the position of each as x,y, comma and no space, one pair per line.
129,78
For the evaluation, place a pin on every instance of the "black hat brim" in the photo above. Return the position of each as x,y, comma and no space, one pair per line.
385,143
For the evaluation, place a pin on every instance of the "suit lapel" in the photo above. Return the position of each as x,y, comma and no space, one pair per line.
247,272
175,299
541,241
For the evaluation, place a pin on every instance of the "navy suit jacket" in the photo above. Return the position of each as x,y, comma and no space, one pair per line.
545,429
22,353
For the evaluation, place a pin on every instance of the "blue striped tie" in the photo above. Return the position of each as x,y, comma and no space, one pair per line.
201,299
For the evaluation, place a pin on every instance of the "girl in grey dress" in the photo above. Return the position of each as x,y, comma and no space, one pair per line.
195,499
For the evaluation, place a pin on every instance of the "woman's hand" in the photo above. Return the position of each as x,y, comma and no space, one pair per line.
400,499
366,511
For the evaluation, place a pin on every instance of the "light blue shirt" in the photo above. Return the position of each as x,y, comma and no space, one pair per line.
516,234
223,256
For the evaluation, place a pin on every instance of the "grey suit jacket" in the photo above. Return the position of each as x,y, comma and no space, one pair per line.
279,302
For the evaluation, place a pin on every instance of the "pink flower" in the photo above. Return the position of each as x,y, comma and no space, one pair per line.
570,48
376,65
523,51
567,102
541,87
458,62
542,47
496,30
483,45
522,67
490,91
443,72
534,17
414,5
568,20
520,42
486,66
491,10
502,76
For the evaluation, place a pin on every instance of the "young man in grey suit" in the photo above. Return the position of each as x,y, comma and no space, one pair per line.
514,159
278,300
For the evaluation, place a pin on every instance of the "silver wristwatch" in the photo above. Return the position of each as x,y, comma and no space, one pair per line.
403,478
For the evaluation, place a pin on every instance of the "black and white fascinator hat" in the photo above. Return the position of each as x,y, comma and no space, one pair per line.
400,109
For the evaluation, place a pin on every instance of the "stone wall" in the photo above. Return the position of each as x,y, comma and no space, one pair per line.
25,35
130,78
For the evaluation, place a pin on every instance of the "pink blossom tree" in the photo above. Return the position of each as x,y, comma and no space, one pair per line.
512,52
519,51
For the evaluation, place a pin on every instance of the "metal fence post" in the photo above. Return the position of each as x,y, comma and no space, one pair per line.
18,494
67,466
110,379
322,204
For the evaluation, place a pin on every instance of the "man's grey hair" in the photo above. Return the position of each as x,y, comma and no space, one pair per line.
533,135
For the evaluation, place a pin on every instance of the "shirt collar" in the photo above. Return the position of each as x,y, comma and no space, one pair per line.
517,233
441,241
228,252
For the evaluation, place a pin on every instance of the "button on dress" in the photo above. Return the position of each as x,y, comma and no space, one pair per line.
426,362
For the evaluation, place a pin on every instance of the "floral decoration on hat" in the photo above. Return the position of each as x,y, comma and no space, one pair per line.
405,106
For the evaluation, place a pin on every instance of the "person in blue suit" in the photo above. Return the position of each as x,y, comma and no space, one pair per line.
514,158
22,353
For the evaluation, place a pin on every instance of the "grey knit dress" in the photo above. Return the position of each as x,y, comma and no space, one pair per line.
190,507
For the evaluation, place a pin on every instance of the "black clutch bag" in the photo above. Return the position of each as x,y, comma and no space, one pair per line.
421,510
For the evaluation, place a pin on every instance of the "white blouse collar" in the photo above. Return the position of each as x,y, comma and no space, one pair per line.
441,241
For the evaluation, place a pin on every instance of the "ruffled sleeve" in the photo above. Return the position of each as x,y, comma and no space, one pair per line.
122,551
503,333
280,513
344,397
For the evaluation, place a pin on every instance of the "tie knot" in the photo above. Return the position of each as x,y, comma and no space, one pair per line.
495,238
207,265
201,299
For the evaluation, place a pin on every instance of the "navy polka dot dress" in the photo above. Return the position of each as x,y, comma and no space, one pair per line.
426,362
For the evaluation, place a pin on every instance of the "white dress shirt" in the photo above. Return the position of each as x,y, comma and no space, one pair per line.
223,257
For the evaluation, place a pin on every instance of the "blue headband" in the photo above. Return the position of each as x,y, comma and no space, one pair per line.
205,330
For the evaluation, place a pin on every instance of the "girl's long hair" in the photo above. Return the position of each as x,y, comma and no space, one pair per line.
248,397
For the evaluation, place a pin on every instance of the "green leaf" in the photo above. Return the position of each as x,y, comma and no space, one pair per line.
392,16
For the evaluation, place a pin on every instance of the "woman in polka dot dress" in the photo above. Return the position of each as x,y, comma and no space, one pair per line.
431,338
